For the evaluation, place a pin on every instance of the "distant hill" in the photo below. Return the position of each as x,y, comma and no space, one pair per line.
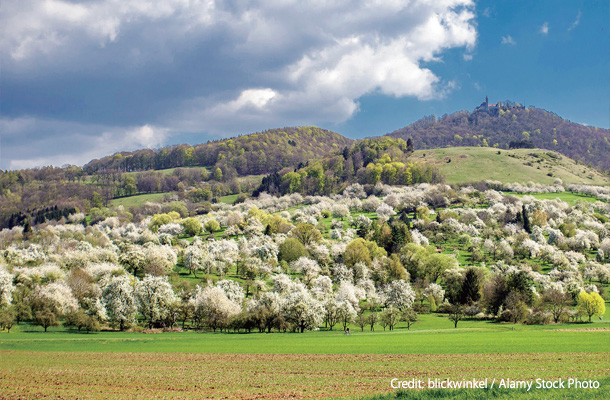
253,154
508,124
196,174
474,164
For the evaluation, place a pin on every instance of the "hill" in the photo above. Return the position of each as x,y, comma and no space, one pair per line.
253,154
510,125
474,164
197,174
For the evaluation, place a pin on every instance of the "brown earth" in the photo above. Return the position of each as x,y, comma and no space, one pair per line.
84,375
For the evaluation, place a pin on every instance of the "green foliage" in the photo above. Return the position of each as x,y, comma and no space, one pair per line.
212,226
306,233
591,304
158,220
46,318
192,226
291,250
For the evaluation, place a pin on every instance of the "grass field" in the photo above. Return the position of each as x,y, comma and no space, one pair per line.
474,164
470,337
568,197
138,200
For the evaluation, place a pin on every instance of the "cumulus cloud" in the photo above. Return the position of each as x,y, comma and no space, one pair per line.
508,39
544,29
233,67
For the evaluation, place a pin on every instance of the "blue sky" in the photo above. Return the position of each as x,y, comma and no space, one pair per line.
82,79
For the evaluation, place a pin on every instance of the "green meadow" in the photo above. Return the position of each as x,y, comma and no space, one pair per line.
475,164
433,334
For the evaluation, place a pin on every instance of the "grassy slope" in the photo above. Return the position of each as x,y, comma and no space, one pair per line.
568,197
473,164
138,200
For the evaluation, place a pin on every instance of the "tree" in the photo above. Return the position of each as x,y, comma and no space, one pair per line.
46,318
212,226
389,317
7,319
557,302
516,306
494,293
6,287
133,259
410,147
347,313
456,314
23,311
291,250
372,320
91,324
217,175
410,317
194,259
159,219
119,300
301,309
526,220
591,304
75,319
306,233
435,264
361,319
356,252
192,226
155,297
213,306
331,307
399,294
340,211
471,287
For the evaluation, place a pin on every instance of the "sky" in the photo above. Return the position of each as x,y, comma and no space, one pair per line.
82,79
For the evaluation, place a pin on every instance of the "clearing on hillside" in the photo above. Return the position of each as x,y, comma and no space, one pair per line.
474,164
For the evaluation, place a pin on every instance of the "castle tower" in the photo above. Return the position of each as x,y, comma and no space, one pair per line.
486,102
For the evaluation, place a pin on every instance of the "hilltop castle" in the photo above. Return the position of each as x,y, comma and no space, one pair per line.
494,109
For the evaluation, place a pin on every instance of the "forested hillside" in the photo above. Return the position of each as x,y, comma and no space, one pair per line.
512,127
367,162
253,154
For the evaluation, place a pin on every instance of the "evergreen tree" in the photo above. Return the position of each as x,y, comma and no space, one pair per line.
526,221
470,291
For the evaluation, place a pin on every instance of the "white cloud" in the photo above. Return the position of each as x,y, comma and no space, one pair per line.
576,21
508,40
544,29
34,27
354,58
